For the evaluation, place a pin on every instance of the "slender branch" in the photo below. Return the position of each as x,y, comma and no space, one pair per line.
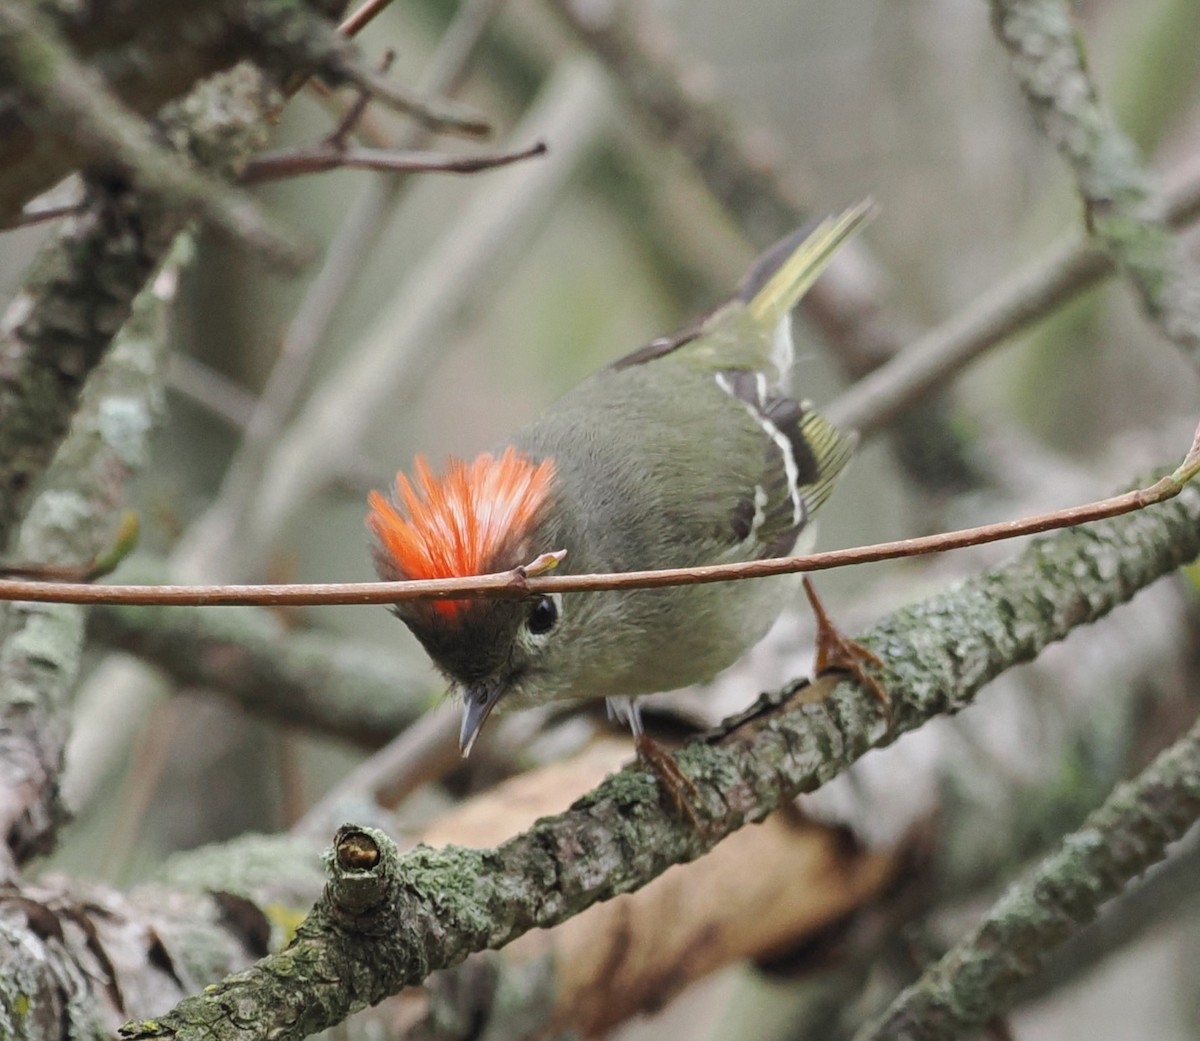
138,48
360,18
320,158
520,583
659,79
311,42
1012,306
425,750
435,113
650,66
387,921
975,981
392,356
357,109
211,390
43,214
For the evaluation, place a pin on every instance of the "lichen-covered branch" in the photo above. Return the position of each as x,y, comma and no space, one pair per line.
81,287
976,803
784,885
975,981
75,512
67,99
1125,209
78,958
432,907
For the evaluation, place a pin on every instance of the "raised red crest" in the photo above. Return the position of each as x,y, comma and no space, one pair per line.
461,522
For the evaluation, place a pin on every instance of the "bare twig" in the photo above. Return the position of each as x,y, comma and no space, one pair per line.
150,758
393,354
298,162
425,750
314,44
436,113
358,107
104,562
210,390
649,64
360,18
517,584
42,214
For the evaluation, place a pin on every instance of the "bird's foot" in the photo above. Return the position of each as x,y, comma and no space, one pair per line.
835,650
660,762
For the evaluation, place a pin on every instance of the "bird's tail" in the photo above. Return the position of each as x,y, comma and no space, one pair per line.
782,275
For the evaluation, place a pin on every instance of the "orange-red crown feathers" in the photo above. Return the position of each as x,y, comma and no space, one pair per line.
459,523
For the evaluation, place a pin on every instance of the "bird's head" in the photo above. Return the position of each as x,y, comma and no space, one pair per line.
474,519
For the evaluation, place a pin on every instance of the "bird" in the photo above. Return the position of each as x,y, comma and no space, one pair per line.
689,451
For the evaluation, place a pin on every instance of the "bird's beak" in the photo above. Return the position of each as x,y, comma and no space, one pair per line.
478,701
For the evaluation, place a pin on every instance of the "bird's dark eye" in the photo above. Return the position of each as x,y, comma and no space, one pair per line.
543,616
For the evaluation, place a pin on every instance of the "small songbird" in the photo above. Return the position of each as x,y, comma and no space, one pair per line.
688,451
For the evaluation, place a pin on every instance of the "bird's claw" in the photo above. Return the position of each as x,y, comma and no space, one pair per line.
682,790
835,650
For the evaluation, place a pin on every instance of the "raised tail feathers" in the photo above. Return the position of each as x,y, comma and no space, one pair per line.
782,275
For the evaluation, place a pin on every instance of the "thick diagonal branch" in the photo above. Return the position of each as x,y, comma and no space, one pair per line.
431,908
